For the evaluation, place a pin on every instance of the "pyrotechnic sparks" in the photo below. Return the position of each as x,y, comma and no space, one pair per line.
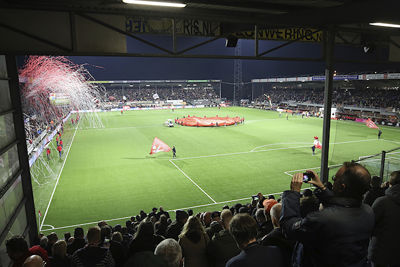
53,86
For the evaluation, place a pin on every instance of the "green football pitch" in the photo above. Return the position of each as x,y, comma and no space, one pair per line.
108,174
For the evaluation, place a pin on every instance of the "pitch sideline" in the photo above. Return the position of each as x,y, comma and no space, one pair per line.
58,178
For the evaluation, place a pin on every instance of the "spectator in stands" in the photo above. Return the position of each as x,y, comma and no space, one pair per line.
92,254
79,241
106,231
206,219
263,227
161,211
308,203
60,258
34,261
375,191
40,250
117,250
52,239
175,228
276,237
67,236
170,251
338,235
214,228
194,242
144,239
385,238
161,226
244,230
17,250
222,247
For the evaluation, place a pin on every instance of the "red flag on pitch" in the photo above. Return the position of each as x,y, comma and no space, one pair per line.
40,214
371,124
159,146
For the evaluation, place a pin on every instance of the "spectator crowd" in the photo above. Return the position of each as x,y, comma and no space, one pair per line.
350,222
167,93
365,97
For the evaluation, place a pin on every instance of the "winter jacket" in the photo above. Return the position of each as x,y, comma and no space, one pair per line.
336,236
385,239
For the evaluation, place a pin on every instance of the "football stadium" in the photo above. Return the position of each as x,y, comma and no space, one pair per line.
225,135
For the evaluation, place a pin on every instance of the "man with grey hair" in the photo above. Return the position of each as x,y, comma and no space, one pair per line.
170,251
276,237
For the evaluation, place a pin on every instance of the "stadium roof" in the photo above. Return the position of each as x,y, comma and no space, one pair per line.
100,27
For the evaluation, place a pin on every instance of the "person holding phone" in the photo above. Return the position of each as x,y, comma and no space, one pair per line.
337,235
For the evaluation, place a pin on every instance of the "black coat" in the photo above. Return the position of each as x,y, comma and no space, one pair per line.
336,236
257,255
222,248
385,239
373,194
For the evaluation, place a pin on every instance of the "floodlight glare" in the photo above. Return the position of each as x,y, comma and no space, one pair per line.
154,3
381,24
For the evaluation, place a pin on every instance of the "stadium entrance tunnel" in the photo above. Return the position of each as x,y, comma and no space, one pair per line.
208,121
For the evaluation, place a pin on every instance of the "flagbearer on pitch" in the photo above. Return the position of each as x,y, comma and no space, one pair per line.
316,144
173,152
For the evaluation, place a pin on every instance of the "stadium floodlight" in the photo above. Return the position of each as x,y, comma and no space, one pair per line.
154,3
381,24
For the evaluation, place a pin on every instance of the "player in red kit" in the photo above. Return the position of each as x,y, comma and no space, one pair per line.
59,149
61,143
48,153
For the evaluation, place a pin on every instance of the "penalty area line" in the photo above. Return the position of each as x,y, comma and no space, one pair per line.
193,182
58,178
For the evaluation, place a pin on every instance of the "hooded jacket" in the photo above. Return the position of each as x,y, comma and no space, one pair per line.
385,239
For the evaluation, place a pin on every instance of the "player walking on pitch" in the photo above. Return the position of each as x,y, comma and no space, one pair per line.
173,152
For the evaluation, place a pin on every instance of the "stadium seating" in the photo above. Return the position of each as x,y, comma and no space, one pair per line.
137,241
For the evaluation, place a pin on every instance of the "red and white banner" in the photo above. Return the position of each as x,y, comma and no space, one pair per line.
371,124
159,146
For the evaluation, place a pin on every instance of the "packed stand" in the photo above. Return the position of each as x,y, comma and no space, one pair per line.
352,222
366,97
168,93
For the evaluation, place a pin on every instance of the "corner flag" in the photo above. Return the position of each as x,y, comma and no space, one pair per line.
159,146
371,124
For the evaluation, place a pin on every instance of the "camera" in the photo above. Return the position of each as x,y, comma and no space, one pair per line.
308,176
255,197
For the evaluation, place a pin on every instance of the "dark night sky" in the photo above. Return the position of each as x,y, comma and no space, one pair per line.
120,68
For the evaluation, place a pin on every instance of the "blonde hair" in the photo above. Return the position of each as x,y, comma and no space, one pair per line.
192,225
60,248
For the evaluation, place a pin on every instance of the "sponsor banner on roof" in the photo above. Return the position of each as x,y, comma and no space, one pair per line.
393,75
371,77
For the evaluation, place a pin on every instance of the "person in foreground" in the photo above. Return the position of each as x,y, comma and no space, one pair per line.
337,235
92,254
243,228
386,236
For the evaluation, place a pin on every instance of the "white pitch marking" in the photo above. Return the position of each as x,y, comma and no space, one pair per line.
331,166
193,182
127,217
58,178
278,144
272,149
